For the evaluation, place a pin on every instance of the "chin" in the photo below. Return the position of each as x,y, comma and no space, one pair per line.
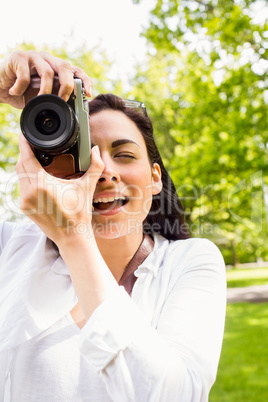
114,230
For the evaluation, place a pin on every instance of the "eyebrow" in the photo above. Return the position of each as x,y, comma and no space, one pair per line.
117,143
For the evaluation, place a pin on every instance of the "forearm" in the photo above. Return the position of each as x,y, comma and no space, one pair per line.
92,279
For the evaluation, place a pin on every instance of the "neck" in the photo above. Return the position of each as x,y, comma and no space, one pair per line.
118,252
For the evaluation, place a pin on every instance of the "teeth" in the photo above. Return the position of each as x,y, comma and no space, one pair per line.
109,199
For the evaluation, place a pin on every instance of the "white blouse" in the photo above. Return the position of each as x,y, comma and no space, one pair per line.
161,344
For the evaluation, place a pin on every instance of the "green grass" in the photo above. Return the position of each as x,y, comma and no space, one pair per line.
243,368
237,278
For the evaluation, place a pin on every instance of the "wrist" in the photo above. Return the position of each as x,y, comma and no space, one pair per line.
75,239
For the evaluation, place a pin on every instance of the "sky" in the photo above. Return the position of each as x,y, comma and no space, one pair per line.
115,25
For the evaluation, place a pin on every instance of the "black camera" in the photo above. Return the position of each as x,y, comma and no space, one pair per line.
58,131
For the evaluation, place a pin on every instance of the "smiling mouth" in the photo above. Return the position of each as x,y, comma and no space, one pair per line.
109,203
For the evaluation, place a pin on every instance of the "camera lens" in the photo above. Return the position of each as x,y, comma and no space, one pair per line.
47,122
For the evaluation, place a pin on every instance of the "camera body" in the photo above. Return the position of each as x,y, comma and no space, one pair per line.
58,131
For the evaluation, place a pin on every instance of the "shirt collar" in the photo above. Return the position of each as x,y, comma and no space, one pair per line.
154,260
150,264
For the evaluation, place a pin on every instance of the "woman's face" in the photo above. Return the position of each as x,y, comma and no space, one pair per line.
123,195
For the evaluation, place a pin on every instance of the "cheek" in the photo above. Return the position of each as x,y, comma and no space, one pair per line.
139,180
140,175
141,192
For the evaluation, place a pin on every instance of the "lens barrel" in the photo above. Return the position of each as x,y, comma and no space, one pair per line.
49,124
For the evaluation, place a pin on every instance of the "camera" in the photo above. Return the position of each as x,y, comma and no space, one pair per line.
58,131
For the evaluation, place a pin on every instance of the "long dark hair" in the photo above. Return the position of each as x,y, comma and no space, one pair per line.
166,216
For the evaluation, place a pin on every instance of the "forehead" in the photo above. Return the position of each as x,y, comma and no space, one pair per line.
113,125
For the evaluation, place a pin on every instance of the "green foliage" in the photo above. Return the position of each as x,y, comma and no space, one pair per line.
8,137
242,374
206,86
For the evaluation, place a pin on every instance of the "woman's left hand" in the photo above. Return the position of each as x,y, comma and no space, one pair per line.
59,207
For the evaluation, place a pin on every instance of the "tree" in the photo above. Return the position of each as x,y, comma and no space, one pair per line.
206,86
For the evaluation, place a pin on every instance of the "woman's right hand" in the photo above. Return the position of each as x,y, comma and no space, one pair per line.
59,207
16,71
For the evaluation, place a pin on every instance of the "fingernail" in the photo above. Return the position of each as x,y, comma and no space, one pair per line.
90,91
65,97
12,91
96,150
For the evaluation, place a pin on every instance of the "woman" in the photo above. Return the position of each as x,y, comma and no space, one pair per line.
68,331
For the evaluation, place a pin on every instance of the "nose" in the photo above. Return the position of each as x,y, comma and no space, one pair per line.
110,173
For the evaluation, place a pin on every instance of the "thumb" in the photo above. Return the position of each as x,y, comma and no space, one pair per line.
96,167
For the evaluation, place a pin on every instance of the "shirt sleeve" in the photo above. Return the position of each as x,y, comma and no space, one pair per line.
4,375
177,361
6,230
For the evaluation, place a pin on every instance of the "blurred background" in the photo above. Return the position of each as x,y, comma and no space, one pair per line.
201,68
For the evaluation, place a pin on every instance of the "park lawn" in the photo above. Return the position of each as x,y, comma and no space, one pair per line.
237,278
243,368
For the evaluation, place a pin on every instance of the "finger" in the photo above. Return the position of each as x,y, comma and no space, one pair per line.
28,159
87,81
41,67
22,174
64,71
26,189
95,170
19,69
25,64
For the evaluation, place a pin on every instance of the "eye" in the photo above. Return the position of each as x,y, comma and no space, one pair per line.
125,155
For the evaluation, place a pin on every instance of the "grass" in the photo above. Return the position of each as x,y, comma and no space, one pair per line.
247,277
243,369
